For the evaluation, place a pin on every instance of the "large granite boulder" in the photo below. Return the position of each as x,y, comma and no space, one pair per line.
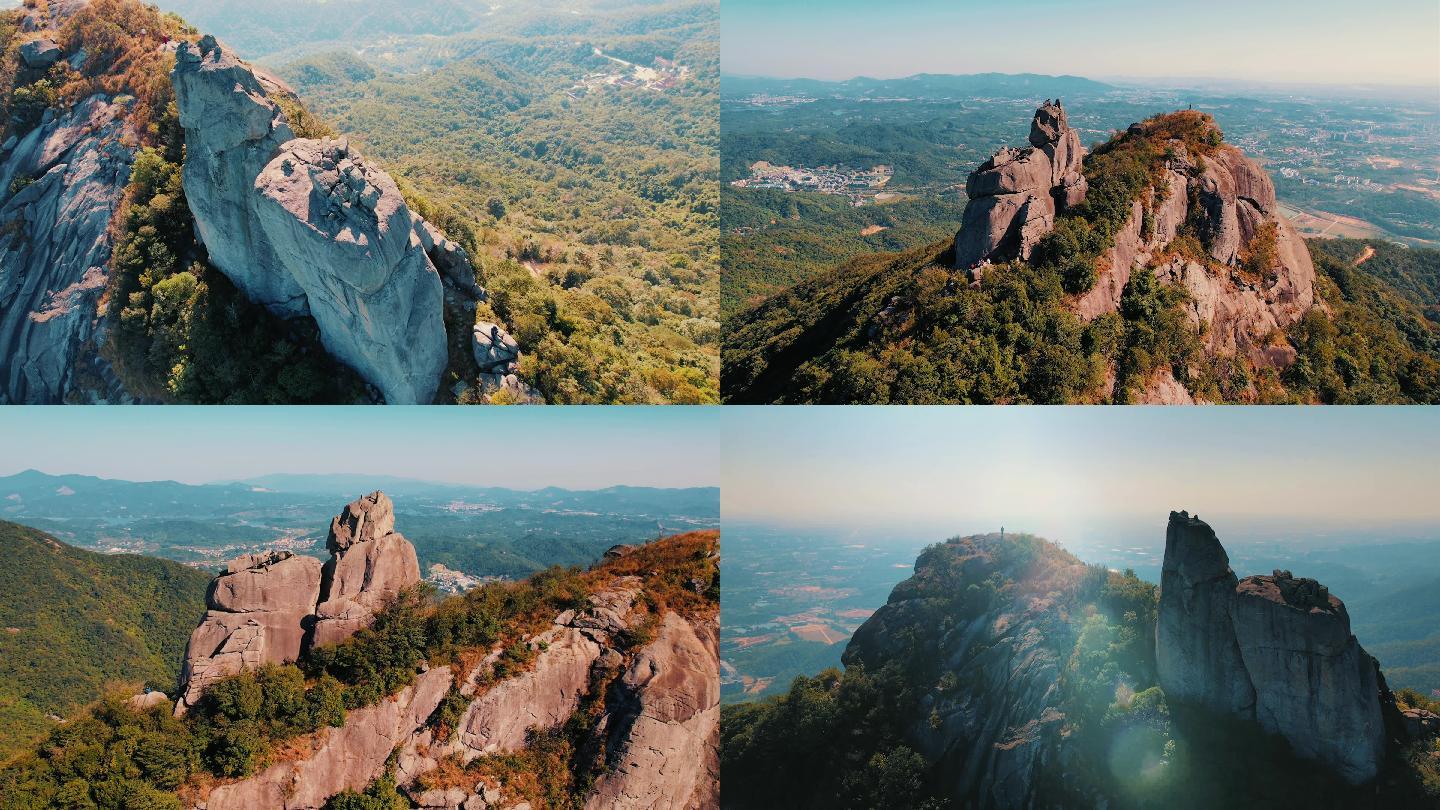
370,564
257,613
306,227
40,54
271,607
1015,195
1314,684
1273,649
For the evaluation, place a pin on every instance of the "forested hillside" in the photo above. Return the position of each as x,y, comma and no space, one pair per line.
591,207
73,622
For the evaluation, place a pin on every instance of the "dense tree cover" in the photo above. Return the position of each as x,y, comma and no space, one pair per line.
1375,345
592,215
851,739
73,621
113,752
843,337
772,239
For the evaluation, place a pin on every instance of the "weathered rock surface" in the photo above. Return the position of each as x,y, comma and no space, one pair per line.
40,54
344,758
269,608
993,743
1273,649
546,695
1196,654
1015,195
257,612
305,227
662,737
55,248
1229,199
495,351
370,563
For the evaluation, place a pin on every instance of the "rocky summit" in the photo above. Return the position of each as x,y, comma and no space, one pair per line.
269,608
1015,195
307,227
1274,649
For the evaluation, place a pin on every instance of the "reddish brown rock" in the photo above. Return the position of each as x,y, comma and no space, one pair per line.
257,614
370,564
663,736
345,758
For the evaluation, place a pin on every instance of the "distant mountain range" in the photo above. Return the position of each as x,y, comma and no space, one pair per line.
1008,85
482,531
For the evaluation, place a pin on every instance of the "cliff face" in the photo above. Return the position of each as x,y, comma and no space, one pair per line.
658,730
269,608
1274,649
1255,278
306,227
64,180
1229,202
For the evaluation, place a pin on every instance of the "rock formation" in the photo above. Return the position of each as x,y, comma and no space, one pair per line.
347,758
257,611
69,174
662,735
306,227
989,744
1230,201
1273,649
1196,654
269,608
370,563
1016,194
660,729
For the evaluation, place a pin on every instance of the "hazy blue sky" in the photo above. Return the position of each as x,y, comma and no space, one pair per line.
1047,469
522,448
1323,41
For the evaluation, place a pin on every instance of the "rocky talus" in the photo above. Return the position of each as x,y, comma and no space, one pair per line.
1015,195
307,227
1274,649
269,608
62,182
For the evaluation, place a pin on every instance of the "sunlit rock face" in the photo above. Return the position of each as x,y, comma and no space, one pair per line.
269,608
1274,649
1015,195
307,227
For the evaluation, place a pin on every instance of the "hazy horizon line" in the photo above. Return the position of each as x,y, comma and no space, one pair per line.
390,477
1134,79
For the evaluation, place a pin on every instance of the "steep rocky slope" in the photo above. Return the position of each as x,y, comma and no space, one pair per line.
1158,269
1274,649
1005,673
303,226
594,688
